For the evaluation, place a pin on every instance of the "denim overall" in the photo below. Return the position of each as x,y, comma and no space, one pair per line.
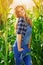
20,56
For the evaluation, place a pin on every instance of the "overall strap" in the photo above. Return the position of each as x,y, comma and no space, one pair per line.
27,36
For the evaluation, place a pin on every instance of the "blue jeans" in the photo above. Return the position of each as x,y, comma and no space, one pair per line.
21,56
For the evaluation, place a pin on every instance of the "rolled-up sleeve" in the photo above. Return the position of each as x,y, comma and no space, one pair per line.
20,27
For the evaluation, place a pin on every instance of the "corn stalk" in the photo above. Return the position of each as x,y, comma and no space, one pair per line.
4,12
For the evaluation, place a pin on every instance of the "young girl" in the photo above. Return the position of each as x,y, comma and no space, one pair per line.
21,46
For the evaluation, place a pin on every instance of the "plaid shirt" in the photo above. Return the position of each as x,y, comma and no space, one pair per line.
22,27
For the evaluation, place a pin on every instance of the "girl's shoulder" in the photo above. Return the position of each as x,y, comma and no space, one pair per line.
21,19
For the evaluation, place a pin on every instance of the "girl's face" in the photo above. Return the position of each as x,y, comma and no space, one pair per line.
21,12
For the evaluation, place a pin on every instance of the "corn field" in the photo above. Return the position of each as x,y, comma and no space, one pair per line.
8,35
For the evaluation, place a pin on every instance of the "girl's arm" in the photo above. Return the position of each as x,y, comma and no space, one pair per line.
19,39
29,42
19,31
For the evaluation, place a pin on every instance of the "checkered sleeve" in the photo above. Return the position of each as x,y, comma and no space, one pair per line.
20,27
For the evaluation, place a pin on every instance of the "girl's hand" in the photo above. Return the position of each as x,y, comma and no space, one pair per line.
28,45
19,41
20,49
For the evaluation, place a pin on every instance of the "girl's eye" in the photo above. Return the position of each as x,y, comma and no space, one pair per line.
21,9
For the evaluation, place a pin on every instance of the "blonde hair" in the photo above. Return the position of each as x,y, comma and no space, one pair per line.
26,17
16,10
